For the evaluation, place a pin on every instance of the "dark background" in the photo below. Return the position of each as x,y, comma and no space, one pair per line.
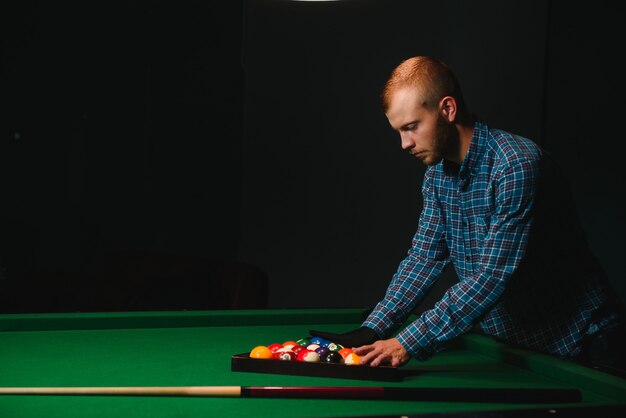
201,154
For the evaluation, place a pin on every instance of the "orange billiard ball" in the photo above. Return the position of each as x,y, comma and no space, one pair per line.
261,352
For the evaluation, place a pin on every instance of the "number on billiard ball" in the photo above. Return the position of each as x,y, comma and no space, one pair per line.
284,354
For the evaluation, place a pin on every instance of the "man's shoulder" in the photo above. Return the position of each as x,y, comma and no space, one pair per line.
506,149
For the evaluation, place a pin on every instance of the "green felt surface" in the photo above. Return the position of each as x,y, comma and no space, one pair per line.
196,349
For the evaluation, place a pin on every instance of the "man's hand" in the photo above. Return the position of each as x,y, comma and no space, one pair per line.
383,352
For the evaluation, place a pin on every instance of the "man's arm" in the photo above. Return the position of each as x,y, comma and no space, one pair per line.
504,247
426,259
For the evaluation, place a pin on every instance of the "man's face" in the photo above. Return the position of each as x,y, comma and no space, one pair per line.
423,132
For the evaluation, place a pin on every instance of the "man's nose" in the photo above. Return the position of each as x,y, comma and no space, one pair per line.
407,142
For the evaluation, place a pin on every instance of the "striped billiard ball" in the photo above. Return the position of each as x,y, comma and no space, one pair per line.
309,356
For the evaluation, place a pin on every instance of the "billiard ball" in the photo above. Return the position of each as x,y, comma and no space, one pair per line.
308,356
352,359
345,351
290,344
320,341
313,346
334,346
303,342
261,352
284,354
322,351
332,357
297,349
275,347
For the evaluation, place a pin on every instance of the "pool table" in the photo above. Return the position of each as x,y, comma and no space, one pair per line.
195,348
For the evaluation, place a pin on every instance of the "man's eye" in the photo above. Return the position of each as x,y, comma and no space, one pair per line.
410,127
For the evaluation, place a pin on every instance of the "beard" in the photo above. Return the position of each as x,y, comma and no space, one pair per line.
444,134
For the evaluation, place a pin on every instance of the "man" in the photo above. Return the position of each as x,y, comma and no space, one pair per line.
496,207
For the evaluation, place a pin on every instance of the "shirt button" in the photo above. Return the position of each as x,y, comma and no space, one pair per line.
467,258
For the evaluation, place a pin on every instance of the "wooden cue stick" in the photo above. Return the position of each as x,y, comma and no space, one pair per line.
233,391
491,395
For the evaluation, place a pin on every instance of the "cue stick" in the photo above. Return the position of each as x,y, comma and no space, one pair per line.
495,395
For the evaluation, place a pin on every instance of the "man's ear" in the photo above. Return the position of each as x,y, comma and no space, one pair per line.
447,108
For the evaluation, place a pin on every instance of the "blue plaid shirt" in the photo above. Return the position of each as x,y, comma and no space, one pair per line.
505,220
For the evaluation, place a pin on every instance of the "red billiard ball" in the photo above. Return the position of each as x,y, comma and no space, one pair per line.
308,356
297,349
284,354
275,347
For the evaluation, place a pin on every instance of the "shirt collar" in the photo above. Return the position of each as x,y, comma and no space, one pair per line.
469,166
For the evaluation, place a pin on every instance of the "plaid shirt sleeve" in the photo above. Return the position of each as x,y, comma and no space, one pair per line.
501,253
426,259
